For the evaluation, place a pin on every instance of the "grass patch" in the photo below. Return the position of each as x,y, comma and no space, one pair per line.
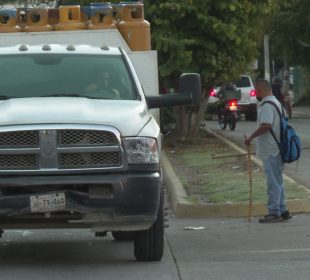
207,179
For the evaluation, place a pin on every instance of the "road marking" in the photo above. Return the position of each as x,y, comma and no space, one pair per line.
280,250
272,251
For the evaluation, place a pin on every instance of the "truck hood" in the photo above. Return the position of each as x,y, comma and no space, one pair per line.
129,117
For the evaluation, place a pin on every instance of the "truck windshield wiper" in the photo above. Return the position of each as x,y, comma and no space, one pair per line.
72,95
5,97
63,94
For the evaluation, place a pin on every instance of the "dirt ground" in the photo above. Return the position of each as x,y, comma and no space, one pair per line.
212,172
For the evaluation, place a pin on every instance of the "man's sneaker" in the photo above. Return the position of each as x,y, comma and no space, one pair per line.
271,218
286,215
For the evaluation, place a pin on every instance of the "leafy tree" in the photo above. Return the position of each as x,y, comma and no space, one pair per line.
290,35
218,39
290,41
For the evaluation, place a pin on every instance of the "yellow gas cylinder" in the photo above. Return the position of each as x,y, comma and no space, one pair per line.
37,20
69,18
133,27
53,16
9,21
101,16
85,14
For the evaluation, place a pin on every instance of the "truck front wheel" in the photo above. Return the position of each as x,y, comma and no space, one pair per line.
149,244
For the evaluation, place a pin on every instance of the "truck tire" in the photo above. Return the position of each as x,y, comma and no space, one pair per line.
250,116
149,244
123,235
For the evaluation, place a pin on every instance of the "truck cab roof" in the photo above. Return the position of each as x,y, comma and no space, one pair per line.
57,48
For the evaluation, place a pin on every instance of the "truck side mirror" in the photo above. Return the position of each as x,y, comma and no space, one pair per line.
189,93
190,84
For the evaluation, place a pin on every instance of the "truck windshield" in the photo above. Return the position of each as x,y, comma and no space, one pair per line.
72,75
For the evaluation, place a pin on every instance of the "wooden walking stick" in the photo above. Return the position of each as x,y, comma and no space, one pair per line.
250,181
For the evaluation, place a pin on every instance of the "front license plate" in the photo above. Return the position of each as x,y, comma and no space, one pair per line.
48,202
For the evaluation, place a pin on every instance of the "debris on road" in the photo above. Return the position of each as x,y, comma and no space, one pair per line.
193,228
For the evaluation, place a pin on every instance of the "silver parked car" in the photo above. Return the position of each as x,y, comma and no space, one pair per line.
247,105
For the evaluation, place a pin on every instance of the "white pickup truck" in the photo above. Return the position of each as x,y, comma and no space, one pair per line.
76,152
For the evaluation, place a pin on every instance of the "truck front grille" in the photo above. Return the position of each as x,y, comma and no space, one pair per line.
60,149
82,137
19,139
108,159
23,162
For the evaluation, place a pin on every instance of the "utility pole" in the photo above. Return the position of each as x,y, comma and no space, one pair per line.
286,78
266,54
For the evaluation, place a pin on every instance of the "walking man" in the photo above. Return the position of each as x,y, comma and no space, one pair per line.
277,91
268,151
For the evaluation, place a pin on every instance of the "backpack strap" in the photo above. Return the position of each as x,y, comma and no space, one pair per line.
276,106
280,115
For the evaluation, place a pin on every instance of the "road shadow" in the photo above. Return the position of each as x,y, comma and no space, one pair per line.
53,248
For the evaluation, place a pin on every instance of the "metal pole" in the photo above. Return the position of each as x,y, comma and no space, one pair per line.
250,182
266,52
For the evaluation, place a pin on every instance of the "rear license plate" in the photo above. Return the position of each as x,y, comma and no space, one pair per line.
233,108
48,202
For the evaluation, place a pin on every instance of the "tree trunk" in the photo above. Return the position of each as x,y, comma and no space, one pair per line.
182,122
189,118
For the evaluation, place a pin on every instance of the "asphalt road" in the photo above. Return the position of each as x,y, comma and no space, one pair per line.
75,254
235,249
232,249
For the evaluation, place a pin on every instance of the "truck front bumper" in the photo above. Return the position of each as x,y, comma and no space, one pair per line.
101,202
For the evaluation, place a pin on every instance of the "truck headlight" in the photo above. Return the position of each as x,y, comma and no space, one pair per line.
141,150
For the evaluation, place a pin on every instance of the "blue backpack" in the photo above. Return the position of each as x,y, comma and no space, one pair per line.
290,144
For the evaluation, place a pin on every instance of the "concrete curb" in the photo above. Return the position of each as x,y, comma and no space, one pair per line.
182,208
